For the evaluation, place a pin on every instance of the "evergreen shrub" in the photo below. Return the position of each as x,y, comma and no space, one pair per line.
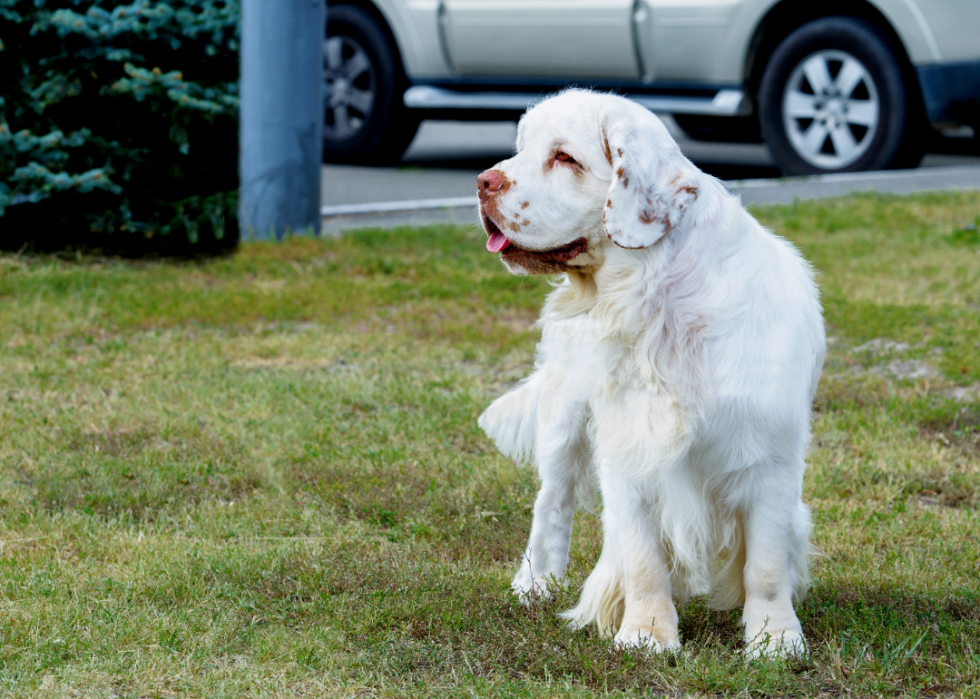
118,121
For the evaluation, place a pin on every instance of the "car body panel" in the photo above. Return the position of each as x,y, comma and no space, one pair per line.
683,40
654,47
543,38
947,19
710,40
951,93
692,40
415,26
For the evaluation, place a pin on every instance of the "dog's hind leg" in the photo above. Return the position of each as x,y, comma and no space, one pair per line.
649,616
777,548
629,591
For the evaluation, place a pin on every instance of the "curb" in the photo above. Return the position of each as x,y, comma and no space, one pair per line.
391,214
788,189
384,207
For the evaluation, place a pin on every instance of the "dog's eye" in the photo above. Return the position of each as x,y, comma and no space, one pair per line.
564,157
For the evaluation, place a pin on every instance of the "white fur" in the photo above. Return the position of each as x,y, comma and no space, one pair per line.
677,365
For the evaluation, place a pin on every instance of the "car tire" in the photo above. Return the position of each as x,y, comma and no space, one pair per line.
834,98
365,120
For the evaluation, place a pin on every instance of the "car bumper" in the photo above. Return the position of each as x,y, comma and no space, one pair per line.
951,92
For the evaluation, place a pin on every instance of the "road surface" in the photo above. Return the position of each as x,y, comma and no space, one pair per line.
446,156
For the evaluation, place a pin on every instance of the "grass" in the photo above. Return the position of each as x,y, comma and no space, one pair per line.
262,475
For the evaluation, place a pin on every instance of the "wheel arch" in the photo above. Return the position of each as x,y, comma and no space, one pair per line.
387,130
786,16
384,24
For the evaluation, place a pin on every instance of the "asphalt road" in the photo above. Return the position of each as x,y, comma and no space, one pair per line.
446,156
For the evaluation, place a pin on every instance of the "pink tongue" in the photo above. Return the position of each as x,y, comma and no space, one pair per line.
497,242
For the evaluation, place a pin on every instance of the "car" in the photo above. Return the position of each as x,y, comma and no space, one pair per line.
835,86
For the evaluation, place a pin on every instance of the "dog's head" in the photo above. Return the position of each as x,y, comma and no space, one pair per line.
590,168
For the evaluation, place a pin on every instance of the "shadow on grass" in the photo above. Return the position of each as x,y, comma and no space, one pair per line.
862,639
411,617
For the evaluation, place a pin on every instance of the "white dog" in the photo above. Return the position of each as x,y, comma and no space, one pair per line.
678,361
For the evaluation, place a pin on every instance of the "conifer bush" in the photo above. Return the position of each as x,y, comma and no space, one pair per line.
118,120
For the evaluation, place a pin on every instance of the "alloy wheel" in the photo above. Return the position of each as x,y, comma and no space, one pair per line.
831,109
350,87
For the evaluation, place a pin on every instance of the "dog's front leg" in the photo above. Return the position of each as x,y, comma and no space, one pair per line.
563,456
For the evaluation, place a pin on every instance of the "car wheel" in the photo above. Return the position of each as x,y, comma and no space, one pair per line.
365,120
833,98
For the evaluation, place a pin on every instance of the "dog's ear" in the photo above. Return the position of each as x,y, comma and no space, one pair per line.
652,182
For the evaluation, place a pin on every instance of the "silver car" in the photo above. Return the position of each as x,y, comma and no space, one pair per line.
830,87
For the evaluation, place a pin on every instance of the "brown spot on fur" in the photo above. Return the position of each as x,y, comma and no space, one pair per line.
525,222
608,203
517,216
513,226
525,205
605,149
690,189
649,216
488,208
620,151
621,174
652,213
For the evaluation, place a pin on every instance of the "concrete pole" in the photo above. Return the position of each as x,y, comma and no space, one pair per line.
281,117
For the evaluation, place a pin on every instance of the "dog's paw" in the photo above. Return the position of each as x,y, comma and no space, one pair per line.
530,590
656,640
777,644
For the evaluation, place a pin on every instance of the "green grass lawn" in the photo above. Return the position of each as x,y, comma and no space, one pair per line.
262,475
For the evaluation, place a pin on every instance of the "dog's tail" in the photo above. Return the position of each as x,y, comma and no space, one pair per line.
799,563
728,591
511,421
603,597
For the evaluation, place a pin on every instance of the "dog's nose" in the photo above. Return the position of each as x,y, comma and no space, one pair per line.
489,182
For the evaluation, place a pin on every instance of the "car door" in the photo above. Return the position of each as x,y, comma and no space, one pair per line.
692,40
540,38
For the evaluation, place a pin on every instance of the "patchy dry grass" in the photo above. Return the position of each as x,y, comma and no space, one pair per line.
262,475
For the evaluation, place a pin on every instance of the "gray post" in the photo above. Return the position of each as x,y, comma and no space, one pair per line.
281,117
